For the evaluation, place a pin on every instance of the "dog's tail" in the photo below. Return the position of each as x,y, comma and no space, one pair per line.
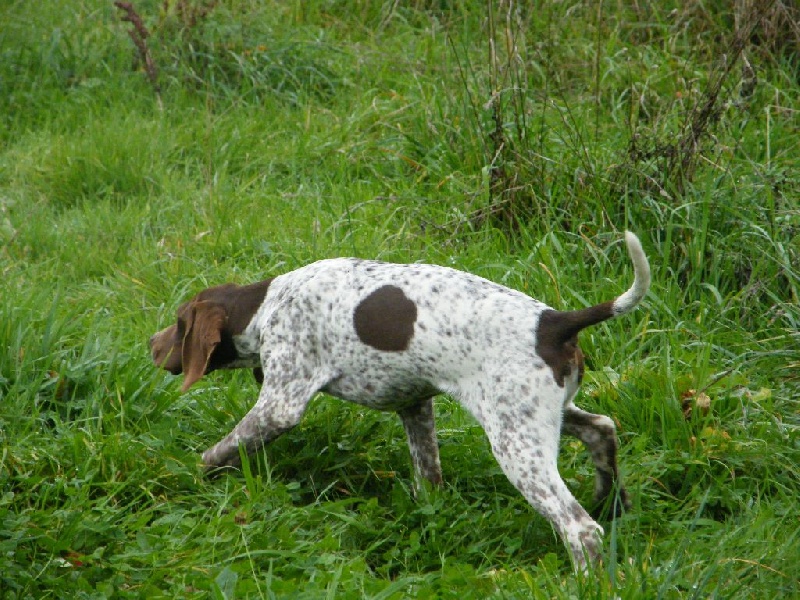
565,325
641,278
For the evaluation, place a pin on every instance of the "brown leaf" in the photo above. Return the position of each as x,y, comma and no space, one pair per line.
691,400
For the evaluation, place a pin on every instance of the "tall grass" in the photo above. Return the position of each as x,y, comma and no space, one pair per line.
515,142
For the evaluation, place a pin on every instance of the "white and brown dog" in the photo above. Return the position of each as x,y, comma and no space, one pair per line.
391,337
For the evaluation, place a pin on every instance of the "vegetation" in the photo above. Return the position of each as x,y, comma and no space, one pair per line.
151,149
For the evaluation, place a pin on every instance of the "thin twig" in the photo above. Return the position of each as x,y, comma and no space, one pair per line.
683,160
139,35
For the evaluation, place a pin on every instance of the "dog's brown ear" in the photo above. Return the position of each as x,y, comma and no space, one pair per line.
204,323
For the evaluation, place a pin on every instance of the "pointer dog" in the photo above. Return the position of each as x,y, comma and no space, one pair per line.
391,337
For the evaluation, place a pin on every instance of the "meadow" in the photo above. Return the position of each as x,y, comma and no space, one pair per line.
150,150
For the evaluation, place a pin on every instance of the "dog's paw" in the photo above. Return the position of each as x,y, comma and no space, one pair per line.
214,465
214,471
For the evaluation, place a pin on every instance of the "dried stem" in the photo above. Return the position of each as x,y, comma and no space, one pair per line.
683,162
139,35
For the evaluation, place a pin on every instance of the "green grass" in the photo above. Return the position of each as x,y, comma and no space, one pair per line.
286,132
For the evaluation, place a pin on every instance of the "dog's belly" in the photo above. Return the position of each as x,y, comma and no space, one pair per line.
381,393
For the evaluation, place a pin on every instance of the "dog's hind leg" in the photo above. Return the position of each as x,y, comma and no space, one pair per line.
528,457
599,435
523,424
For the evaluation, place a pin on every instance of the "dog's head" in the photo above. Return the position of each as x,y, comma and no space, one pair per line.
201,340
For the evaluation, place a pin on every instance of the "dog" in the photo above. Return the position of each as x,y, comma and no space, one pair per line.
393,336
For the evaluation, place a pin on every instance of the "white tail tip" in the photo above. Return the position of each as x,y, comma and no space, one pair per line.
641,281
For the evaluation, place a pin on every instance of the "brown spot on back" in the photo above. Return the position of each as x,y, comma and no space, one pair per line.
557,338
385,319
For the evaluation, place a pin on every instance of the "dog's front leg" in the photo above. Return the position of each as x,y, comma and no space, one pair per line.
268,419
418,421
281,404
